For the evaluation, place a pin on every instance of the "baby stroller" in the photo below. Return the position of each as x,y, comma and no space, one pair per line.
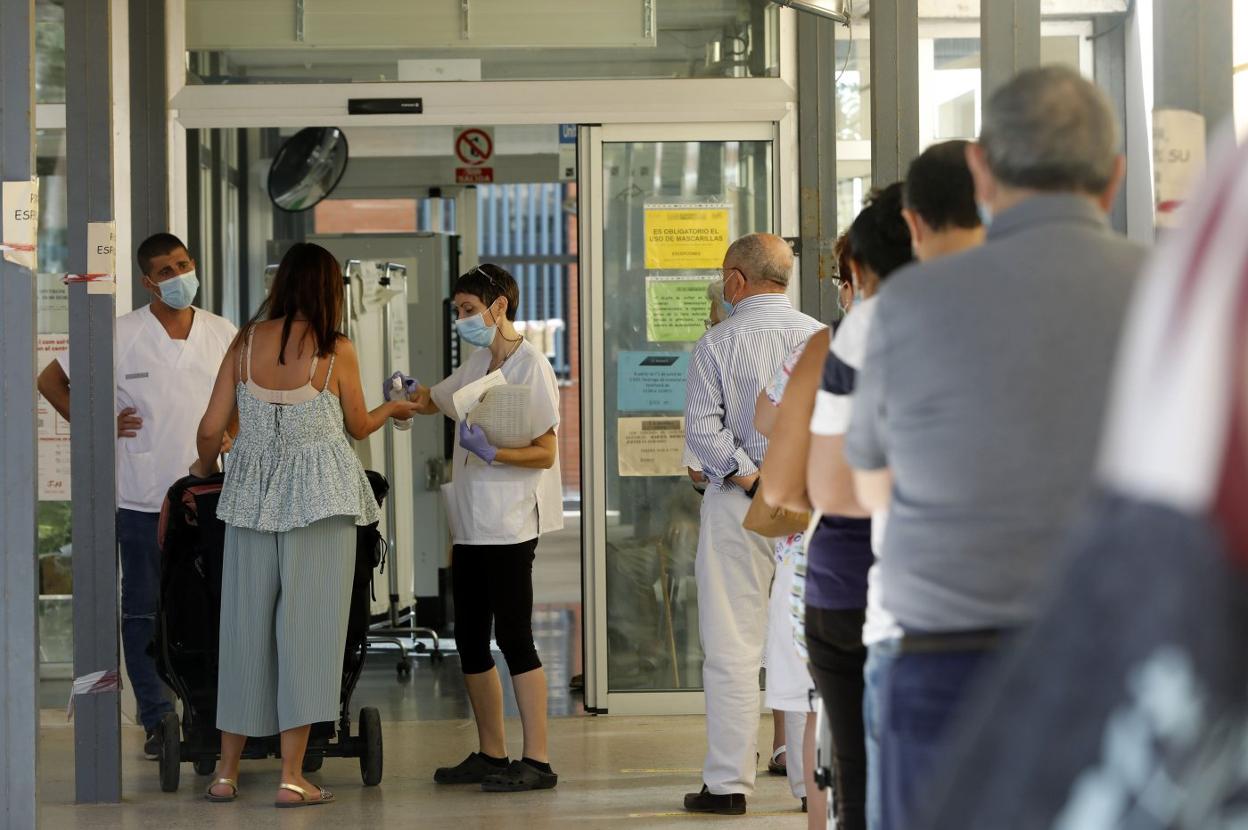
192,542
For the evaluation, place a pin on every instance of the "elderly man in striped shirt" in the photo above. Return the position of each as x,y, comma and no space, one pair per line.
730,366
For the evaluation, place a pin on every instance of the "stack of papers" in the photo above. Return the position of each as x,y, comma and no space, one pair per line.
468,396
502,410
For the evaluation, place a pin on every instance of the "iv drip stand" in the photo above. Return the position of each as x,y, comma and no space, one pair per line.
400,624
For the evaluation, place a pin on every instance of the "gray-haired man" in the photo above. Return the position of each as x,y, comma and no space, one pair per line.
981,392
731,364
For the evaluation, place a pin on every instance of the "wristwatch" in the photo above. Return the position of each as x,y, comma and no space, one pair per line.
754,488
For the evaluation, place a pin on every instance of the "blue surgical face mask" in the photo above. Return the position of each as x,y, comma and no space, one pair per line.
179,292
474,330
729,306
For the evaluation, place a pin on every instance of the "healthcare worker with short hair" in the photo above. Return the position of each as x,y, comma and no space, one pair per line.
500,501
165,359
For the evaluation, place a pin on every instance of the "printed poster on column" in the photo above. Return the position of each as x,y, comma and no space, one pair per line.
53,430
686,236
677,307
1178,160
651,447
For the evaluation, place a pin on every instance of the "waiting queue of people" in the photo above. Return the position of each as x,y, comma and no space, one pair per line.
943,439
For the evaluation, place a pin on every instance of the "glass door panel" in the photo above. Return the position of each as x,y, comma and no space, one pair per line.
669,209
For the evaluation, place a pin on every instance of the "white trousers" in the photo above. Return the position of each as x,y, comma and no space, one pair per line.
733,570
794,746
789,685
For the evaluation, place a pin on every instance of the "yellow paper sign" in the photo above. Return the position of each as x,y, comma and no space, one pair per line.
676,308
686,236
651,446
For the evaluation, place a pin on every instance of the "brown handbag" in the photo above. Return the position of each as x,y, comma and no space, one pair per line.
773,522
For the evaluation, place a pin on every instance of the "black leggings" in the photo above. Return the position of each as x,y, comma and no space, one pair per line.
493,584
837,659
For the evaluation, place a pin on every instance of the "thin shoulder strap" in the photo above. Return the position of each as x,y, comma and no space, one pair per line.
330,373
251,333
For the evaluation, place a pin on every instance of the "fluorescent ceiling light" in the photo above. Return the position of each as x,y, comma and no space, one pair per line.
832,9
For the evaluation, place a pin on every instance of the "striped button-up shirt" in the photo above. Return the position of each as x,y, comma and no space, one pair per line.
731,364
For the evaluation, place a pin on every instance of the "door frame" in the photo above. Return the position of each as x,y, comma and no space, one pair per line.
598,696
669,109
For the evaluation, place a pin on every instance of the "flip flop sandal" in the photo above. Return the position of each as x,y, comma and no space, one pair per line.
221,799
774,766
324,797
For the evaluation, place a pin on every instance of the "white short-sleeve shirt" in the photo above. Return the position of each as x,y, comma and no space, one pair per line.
500,504
168,382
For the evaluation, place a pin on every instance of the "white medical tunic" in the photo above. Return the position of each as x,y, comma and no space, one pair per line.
168,382
500,504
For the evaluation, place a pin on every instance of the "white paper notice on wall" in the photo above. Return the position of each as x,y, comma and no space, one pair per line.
1178,160
101,257
19,234
102,248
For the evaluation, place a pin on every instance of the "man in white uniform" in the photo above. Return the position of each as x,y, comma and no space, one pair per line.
166,358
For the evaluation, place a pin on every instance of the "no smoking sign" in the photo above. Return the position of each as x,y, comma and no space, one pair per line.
474,147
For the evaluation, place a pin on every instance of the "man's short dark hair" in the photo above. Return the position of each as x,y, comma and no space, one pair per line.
160,244
939,187
487,282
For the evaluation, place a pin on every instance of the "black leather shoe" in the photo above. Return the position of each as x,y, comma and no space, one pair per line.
705,801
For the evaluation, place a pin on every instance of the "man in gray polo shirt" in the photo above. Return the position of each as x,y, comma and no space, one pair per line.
979,405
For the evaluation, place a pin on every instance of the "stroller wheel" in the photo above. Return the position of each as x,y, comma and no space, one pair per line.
205,766
170,752
404,669
370,740
312,762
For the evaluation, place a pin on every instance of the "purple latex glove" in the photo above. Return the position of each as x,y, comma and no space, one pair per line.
406,386
472,438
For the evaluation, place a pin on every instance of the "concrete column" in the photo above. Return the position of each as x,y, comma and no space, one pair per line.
19,587
816,109
1009,40
894,89
149,131
88,120
1193,56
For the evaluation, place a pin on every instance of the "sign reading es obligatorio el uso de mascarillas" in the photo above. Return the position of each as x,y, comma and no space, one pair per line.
687,237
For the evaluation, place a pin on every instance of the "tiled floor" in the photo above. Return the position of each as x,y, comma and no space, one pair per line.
615,772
